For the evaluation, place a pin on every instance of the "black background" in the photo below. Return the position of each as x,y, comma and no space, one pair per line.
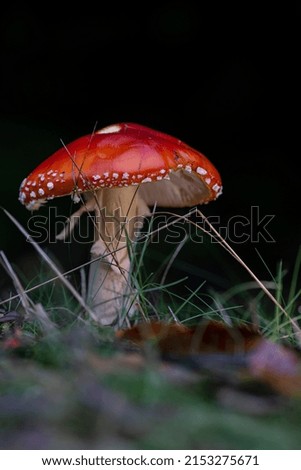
222,77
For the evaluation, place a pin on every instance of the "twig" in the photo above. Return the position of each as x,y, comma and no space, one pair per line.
173,314
43,318
83,283
18,286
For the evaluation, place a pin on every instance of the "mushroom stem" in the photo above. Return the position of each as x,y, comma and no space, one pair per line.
117,212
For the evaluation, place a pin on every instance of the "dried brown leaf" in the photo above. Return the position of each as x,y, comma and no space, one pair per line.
171,338
275,365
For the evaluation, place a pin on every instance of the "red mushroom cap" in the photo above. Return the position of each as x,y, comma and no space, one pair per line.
122,155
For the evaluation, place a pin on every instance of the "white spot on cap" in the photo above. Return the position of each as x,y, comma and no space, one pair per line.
49,172
159,178
34,205
180,165
219,191
188,168
147,180
75,198
32,194
28,183
96,177
166,177
50,185
139,177
22,197
208,180
216,187
201,171
54,174
42,177
125,176
41,192
23,183
115,175
26,189
34,184
162,171
106,174
110,129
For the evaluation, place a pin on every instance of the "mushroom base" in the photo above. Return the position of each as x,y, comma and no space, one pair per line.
117,222
110,293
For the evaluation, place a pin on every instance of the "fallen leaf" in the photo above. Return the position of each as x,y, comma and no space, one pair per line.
211,336
13,340
11,343
216,347
276,365
216,337
167,337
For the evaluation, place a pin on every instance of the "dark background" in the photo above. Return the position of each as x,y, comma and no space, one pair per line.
222,77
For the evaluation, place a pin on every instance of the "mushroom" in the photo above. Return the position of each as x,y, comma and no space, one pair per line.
121,170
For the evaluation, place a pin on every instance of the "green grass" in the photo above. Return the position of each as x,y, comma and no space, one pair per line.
70,385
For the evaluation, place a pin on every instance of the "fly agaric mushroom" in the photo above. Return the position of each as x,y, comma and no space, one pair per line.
122,169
